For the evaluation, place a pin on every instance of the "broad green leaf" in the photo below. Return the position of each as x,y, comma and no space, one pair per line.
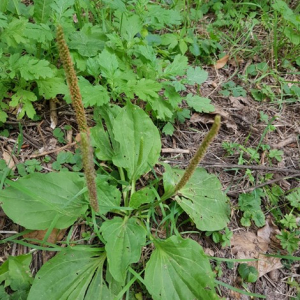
183,46
34,201
168,129
30,68
24,99
201,198
74,273
139,141
173,96
147,52
103,140
177,67
3,116
162,108
294,198
282,8
93,67
250,203
3,5
179,269
92,95
196,75
293,35
147,88
13,34
62,11
3,294
51,87
42,11
15,272
159,17
116,5
88,42
199,104
145,195
130,26
40,33
177,85
125,239
170,39
108,63
183,114
3,19
248,273
109,196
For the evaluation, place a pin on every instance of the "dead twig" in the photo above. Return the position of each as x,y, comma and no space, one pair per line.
171,150
290,140
236,193
53,151
251,167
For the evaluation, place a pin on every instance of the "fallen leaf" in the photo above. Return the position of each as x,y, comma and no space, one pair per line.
249,245
236,61
221,62
209,118
266,264
9,160
203,118
239,102
55,235
234,295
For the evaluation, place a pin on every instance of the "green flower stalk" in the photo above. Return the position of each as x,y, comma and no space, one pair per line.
199,154
86,149
196,159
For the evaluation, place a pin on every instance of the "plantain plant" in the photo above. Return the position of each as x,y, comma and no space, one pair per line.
126,225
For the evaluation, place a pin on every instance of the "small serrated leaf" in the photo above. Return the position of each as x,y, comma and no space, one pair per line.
177,67
200,104
168,129
147,88
196,75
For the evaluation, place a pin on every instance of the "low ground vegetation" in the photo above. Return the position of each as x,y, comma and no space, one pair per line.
174,204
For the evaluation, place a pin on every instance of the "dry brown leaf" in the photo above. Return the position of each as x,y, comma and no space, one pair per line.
221,62
248,245
234,295
8,160
266,264
235,62
208,118
239,102
55,235
203,118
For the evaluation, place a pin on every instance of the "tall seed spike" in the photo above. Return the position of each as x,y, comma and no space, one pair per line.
199,154
86,149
